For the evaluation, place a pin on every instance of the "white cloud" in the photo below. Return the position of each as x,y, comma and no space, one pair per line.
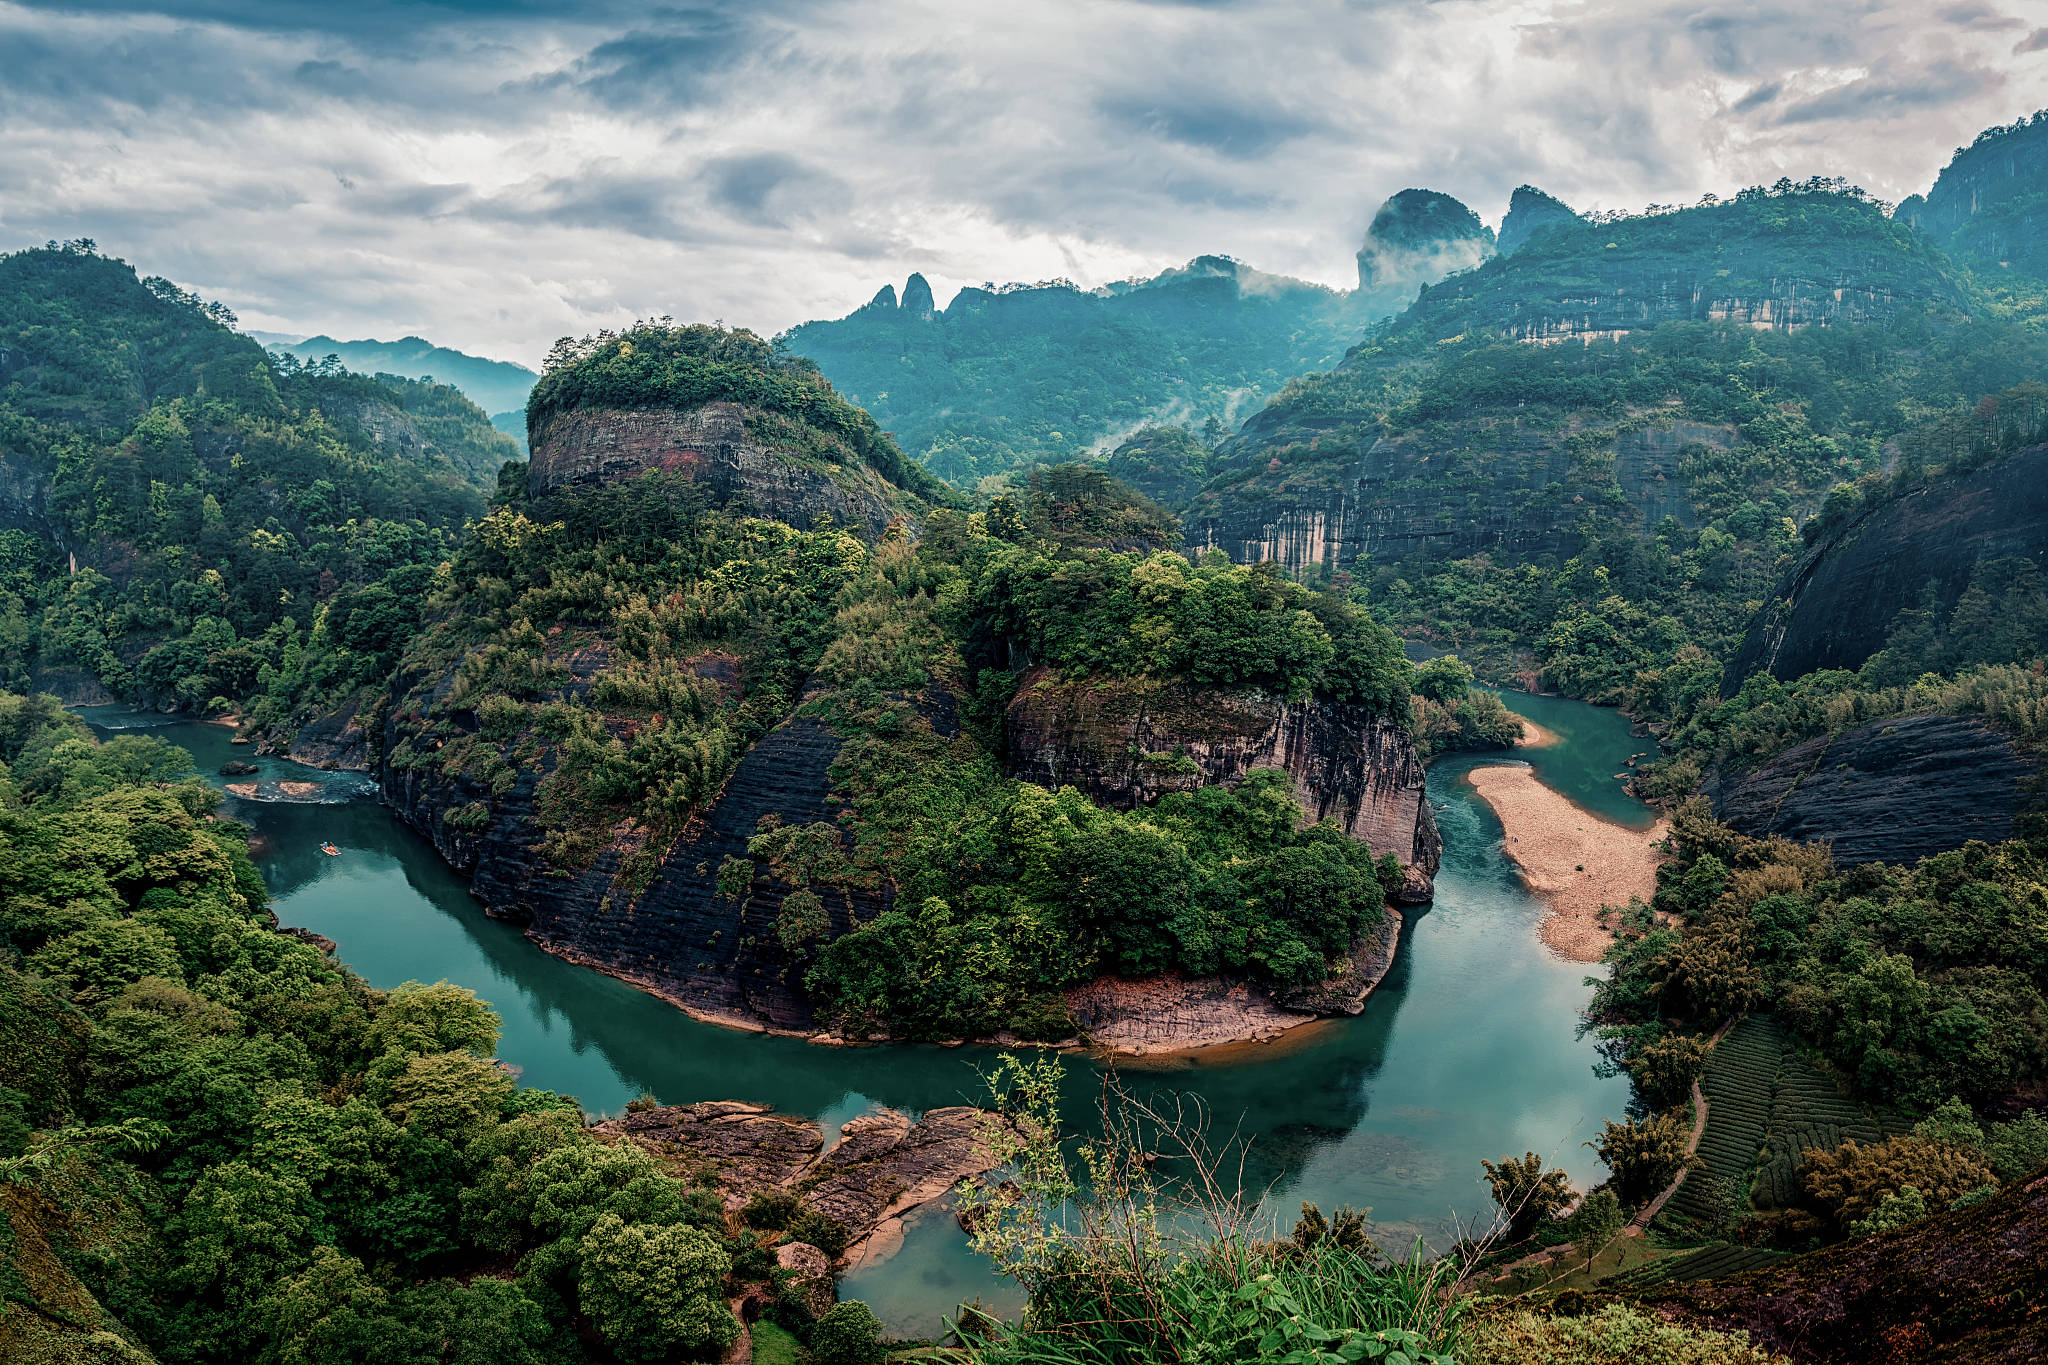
492,176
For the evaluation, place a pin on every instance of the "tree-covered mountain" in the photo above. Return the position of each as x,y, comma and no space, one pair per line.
183,513
499,387
1006,378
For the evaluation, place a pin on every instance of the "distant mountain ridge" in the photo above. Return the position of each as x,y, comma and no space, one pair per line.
1004,378
496,386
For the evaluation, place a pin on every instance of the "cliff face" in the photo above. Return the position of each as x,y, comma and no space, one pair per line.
1128,742
1835,607
734,451
1485,483
24,497
1531,211
1987,204
679,938
1890,791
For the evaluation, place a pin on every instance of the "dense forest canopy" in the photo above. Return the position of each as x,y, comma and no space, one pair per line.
187,509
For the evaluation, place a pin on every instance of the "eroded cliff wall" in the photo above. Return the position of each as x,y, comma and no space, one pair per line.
1836,606
1127,742
1891,791
733,450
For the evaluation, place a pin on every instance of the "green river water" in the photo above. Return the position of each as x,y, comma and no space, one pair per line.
1469,1049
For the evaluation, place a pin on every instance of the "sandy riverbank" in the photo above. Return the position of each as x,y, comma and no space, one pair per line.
1575,861
1534,736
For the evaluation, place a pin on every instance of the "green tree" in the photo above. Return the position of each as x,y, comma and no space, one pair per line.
654,1292
1597,1221
1644,1156
1444,678
847,1334
1528,1195
1665,1070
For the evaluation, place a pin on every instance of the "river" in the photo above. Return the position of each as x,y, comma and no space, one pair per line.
1469,1049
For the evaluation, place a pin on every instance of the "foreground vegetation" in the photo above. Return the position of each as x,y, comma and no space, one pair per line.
217,1144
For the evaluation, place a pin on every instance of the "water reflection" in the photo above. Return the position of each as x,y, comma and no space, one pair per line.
1468,1050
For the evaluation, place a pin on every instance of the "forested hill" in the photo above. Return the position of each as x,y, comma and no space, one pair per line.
496,386
1007,378
179,511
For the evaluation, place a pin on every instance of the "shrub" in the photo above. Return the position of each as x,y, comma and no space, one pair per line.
1616,1335
771,1210
822,1231
2019,1148
1527,1194
847,1334
1644,1156
1664,1071
1854,1179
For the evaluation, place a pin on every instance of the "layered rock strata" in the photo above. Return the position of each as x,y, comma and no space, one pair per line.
1891,791
884,1166
725,446
1127,742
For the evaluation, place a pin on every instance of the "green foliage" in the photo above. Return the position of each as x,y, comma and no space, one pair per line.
1597,1221
1527,1194
1644,1155
1616,1334
847,1334
1664,1071
2019,1148
1902,1206
245,529
654,1290
308,1170
1919,983
1444,678
1475,719
1854,1181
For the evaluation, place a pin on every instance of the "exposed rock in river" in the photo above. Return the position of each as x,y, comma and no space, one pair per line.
883,1167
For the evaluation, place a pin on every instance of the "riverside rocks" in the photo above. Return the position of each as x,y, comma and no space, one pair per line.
1174,1013
883,1167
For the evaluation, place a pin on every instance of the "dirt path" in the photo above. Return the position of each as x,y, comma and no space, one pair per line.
1576,861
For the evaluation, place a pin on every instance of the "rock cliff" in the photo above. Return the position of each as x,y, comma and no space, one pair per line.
1510,483
1125,742
1987,204
1835,607
743,455
1531,211
713,956
1890,791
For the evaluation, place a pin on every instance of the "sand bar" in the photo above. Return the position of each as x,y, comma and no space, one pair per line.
1574,860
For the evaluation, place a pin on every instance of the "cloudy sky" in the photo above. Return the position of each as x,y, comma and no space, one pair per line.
495,173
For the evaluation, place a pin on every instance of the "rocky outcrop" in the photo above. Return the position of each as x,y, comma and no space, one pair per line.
332,741
1531,211
1988,204
24,497
739,453
1125,742
1174,1013
884,1166
1486,484
1890,791
715,957
1835,607
917,298
1418,236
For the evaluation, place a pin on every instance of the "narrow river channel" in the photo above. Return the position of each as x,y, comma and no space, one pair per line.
1470,1049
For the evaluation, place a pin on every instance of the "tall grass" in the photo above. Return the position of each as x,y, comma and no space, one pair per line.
1143,1247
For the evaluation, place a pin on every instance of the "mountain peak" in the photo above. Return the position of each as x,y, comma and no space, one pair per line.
1531,211
1419,235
